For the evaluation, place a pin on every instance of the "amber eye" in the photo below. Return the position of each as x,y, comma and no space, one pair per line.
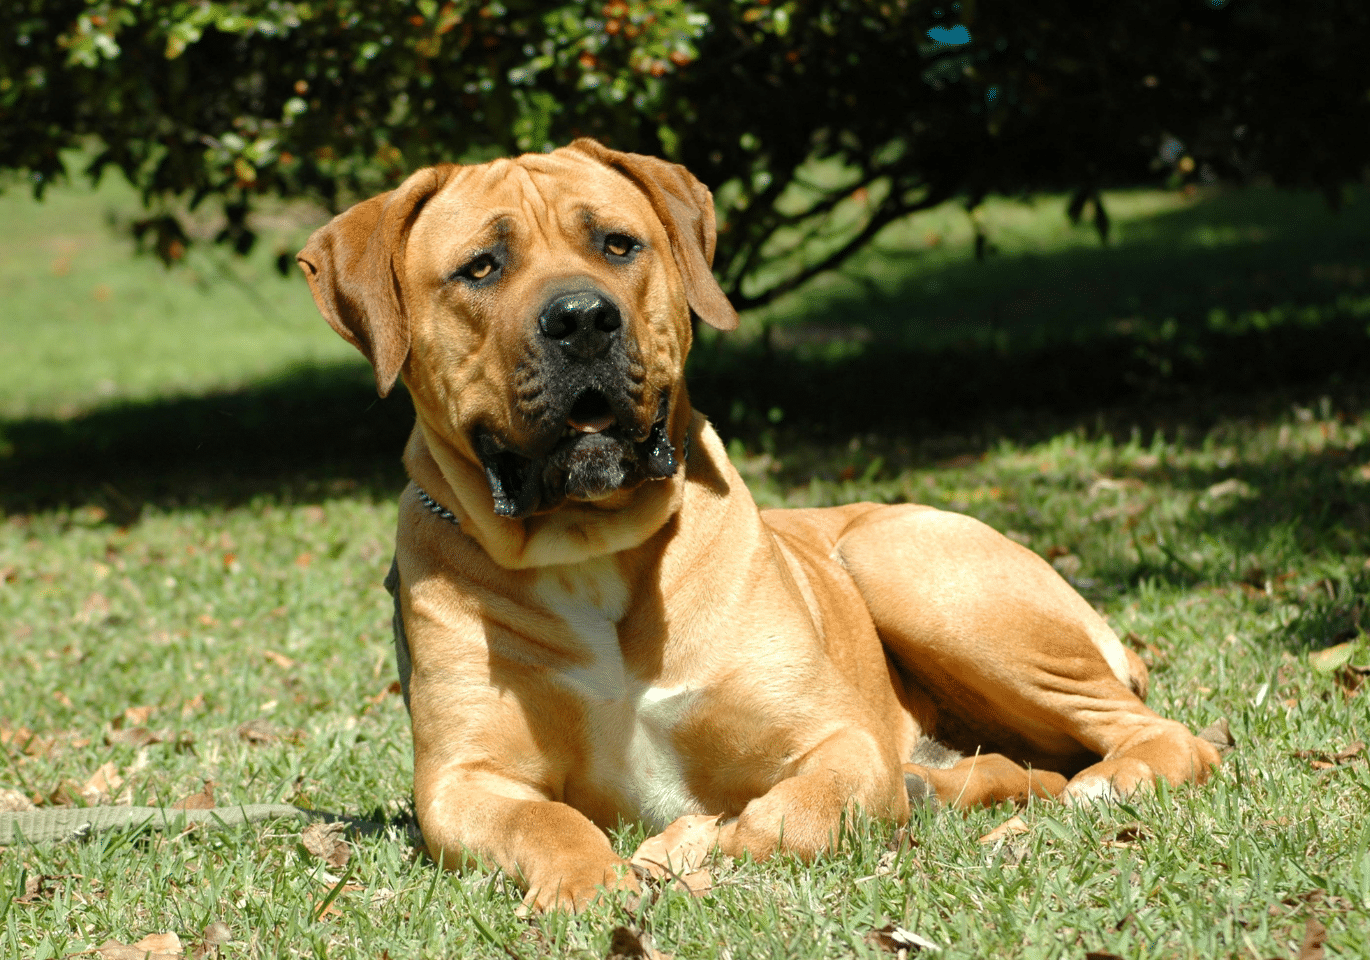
480,268
619,245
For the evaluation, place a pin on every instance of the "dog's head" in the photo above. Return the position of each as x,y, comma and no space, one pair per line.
538,309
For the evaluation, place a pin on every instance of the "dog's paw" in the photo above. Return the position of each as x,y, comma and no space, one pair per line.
574,891
683,847
1108,782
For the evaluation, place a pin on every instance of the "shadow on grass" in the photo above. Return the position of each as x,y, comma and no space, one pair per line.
1232,307
321,431
304,436
1229,259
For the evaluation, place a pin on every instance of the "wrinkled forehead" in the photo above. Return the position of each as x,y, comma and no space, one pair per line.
559,194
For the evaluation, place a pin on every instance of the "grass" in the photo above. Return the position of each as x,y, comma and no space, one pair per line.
198,497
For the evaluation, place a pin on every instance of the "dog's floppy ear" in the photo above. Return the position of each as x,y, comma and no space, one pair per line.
355,267
686,208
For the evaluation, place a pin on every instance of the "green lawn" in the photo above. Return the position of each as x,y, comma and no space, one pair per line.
197,494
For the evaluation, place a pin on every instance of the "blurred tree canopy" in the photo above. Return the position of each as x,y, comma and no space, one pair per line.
900,104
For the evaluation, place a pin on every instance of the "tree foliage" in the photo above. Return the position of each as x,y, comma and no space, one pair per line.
335,99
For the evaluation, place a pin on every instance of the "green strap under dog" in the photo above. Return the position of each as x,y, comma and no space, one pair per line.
77,823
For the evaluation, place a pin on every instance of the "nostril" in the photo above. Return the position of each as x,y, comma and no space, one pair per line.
607,318
576,317
557,322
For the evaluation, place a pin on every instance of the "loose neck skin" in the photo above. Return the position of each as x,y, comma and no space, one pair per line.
572,533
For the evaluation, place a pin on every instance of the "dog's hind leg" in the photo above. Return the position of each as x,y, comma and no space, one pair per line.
981,780
1014,658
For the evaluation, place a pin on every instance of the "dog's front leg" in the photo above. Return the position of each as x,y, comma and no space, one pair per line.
561,859
801,815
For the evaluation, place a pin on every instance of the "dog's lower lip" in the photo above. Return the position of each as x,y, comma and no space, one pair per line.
592,425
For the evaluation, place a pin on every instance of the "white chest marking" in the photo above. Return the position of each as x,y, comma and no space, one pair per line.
591,598
629,724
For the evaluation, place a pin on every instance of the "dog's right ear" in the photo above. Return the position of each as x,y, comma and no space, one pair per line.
355,267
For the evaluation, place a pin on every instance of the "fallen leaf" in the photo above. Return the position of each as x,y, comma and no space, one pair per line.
1314,936
217,934
1351,750
1152,655
39,887
95,607
133,737
390,690
1101,955
1126,837
14,801
1219,734
1323,760
683,847
102,783
898,941
324,840
259,731
1114,484
1329,659
156,946
629,943
279,659
135,716
1229,488
26,741
212,938
203,800
1011,827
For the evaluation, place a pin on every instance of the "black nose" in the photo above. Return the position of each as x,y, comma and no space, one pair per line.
583,323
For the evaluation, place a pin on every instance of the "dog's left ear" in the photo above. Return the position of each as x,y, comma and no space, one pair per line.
355,267
686,208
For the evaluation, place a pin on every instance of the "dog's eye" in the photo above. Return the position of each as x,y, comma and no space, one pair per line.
619,245
479,268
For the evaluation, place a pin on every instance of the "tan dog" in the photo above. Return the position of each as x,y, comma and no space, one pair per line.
602,625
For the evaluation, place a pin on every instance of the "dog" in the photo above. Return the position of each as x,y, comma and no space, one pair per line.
594,621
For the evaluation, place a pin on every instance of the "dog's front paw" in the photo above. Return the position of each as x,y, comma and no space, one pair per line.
574,890
681,848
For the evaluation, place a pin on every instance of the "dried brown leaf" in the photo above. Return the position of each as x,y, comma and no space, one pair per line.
156,946
1127,836
203,800
258,731
25,741
1012,826
324,840
14,801
279,659
39,887
217,934
629,943
1219,733
1349,751
898,941
101,783
137,716
134,737
1314,936
683,847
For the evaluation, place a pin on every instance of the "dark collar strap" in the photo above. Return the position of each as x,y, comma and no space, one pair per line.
436,507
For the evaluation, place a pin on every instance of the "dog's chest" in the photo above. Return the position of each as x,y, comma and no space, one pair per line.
630,758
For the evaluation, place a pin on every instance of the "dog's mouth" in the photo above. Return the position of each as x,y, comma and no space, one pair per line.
596,451
590,413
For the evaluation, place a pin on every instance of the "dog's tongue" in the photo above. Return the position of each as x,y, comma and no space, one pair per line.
591,424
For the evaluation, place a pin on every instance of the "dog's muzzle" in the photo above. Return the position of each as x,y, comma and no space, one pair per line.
587,425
